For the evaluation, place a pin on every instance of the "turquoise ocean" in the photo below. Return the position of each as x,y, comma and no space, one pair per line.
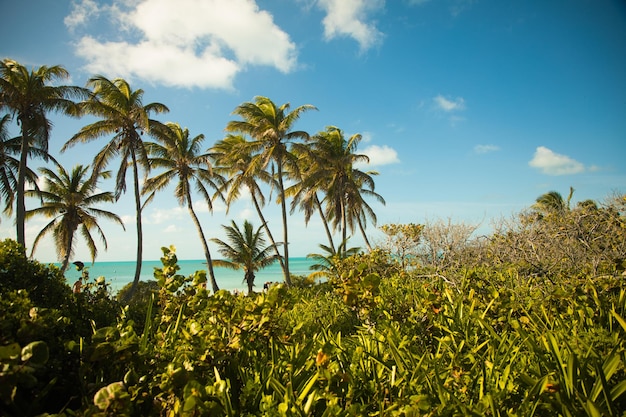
118,274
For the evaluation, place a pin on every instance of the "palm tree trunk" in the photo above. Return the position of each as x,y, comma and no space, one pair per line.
283,206
367,242
267,229
133,288
205,246
325,223
344,227
68,251
20,215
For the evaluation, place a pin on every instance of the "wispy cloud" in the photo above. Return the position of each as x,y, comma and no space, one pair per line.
552,163
350,18
381,155
481,149
187,43
449,105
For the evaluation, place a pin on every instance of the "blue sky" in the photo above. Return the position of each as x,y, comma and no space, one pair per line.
468,109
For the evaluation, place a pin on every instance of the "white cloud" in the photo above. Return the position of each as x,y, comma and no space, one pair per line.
552,163
81,13
449,105
349,18
381,155
480,149
187,43
171,229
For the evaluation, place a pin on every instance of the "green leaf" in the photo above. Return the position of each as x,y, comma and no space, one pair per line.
11,351
36,353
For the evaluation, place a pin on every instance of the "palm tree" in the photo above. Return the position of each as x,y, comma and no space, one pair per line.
124,116
328,261
553,202
9,165
29,96
180,156
246,250
233,159
304,190
70,199
270,128
344,185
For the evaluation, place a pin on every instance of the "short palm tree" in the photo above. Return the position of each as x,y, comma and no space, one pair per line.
180,157
70,200
328,261
270,128
553,202
29,96
245,250
234,160
123,115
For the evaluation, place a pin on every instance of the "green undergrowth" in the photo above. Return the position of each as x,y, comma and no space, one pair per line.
372,341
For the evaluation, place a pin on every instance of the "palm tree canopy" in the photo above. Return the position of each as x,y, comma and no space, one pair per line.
70,199
553,201
179,155
245,248
233,159
124,116
28,95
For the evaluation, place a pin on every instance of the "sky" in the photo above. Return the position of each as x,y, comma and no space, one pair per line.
468,109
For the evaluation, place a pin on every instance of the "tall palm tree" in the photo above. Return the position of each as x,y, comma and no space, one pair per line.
333,171
234,160
123,115
245,250
270,128
180,157
9,165
70,199
29,96
304,191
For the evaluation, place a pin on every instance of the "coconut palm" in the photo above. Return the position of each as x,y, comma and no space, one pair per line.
180,157
553,202
70,200
328,261
304,191
29,96
234,160
123,115
270,128
333,171
245,250
9,165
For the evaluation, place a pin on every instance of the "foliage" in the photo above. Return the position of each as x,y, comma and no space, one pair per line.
586,240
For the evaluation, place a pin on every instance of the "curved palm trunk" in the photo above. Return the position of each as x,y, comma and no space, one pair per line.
20,215
205,246
267,229
283,206
68,251
367,242
325,222
133,288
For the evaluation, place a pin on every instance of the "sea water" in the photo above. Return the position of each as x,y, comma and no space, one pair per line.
120,273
